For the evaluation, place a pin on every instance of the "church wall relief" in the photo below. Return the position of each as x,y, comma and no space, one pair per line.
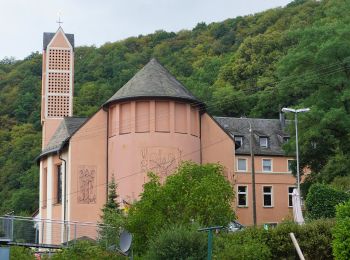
87,182
161,160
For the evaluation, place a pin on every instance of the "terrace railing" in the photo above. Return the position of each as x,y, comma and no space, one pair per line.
36,232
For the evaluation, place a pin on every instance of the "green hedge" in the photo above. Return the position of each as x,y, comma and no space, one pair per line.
322,199
85,250
21,253
314,239
178,242
341,232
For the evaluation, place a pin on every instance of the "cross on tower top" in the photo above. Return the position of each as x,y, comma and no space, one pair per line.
59,19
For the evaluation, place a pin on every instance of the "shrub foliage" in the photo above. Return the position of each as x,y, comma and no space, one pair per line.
341,232
195,193
322,199
178,242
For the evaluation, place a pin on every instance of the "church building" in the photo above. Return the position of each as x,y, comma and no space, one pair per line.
152,123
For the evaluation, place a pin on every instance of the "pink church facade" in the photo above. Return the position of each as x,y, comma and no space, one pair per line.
152,123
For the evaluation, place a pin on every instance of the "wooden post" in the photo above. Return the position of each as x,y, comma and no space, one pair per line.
296,245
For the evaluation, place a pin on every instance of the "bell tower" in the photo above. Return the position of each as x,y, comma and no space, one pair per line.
57,81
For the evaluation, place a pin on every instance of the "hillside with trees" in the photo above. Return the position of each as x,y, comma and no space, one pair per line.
296,56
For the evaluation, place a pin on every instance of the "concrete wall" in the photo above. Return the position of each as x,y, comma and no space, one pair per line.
87,171
49,206
217,146
150,136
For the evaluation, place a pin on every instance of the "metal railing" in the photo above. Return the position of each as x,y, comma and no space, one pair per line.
47,232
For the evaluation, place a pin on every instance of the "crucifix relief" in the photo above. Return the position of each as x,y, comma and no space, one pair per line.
87,184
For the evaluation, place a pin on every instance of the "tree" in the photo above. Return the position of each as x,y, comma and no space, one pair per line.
322,200
194,193
112,218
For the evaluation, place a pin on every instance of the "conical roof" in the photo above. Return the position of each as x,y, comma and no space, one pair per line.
153,81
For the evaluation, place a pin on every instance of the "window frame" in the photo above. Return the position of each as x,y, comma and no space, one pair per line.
241,139
264,138
290,194
44,188
59,184
262,164
244,193
286,139
289,160
267,193
246,165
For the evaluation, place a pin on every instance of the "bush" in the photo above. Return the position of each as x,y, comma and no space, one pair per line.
341,232
321,201
178,242
250,243
314,239
21,253
84,250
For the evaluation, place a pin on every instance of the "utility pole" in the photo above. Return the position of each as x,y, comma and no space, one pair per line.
253,170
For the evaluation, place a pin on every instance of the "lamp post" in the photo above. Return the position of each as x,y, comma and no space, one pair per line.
296,111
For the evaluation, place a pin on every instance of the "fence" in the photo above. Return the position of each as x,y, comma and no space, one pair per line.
50,233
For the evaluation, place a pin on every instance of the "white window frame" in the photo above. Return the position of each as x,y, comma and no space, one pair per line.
239,139
292,160
267,193
290,194
246,165
267,141
262,164
246,196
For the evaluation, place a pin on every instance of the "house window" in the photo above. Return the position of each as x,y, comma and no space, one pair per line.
264,142
290,196
59,184
290,165
267,196
242,196
239,140
267,165
241,165
286,139
44,188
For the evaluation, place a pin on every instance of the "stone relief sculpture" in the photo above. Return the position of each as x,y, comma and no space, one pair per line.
87,184
160,160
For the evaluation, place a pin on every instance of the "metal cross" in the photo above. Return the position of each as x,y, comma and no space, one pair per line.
59,19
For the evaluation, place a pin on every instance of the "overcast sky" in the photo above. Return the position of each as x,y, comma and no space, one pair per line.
95,22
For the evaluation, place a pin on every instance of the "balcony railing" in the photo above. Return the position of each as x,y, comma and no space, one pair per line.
36,232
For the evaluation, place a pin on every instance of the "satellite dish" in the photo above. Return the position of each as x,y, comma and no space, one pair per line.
125,241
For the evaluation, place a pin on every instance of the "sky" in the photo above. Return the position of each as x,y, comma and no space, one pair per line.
95,22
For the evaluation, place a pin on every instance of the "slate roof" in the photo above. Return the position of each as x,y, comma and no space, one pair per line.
271,128
153,81
47,37
64,131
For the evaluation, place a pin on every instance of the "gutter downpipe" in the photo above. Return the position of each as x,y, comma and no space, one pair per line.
65,195
107,148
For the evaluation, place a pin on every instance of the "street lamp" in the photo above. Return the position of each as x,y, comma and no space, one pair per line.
296,111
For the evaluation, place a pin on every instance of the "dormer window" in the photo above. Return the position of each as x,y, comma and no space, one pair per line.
239,140
264,142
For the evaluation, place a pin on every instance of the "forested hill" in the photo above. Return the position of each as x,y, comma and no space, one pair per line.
252,66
